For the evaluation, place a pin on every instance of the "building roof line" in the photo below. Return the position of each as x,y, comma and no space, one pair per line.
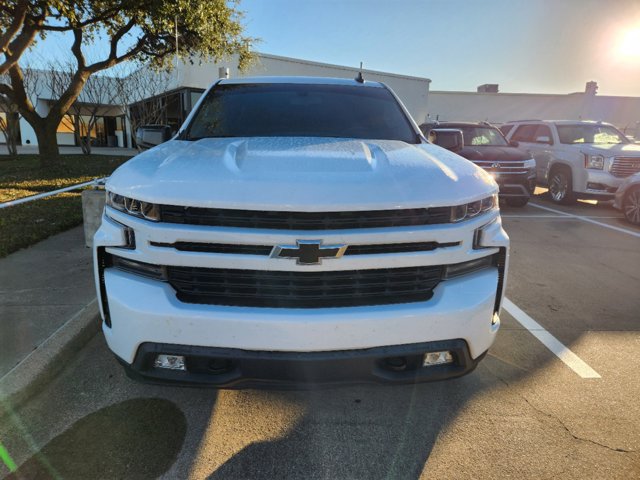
506,94
340,67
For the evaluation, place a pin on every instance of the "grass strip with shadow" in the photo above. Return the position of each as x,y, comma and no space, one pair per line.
26,224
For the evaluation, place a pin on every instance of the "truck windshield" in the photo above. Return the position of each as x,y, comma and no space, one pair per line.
596,134
482,136
301,110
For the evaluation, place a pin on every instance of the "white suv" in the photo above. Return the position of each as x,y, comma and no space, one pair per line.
299,230
576,159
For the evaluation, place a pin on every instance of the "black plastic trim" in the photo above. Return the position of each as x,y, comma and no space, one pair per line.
202,247
500,260
304,220
235,368
104,261
265,250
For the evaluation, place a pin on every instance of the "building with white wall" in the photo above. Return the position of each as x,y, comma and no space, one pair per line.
413,91
498,108
188,81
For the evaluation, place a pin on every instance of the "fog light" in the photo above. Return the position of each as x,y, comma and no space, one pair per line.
437,358
596,186
170,362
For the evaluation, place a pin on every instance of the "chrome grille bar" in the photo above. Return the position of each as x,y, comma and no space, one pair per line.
623,167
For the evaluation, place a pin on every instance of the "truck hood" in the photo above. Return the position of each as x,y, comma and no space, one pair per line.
613,150
300,174
494,152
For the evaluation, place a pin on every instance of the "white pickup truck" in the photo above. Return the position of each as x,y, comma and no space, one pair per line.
576,159
299,231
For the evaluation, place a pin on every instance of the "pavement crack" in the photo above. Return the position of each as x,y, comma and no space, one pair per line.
558,420
576,437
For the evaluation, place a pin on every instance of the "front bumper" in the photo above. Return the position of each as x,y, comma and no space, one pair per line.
143,310
618,198
140,311
234,368
515,185
597,184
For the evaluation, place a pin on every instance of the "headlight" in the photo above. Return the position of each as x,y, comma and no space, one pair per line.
473,209
594,161
137,208
530,163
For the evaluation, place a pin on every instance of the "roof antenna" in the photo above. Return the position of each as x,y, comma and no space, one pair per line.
360,78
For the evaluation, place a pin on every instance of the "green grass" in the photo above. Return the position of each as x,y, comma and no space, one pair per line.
26,224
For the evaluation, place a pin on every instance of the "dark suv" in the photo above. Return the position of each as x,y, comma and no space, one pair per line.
486,146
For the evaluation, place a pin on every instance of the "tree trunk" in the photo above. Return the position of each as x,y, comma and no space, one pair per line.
85,143
77,124
48,143
86,140
12,133
12,145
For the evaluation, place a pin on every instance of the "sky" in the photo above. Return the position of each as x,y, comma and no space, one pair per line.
532,46
537,46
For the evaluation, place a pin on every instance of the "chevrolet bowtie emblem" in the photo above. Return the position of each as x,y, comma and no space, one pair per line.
308,252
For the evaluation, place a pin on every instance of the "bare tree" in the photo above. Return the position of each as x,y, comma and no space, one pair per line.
100,94
9,124
145,31
143,96
9,112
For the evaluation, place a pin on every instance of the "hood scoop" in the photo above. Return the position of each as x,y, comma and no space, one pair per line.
301,155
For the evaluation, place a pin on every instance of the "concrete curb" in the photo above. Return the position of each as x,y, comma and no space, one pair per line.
48,360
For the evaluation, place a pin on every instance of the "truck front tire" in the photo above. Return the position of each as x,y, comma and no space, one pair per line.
560,185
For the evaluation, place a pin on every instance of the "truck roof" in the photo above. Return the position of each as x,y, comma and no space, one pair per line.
562,122
300,80
463,124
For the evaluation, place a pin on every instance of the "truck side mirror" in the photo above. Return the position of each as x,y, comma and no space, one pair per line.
543,139
448,138
148,136
514,143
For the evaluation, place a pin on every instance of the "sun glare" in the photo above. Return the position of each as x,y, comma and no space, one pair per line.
629,46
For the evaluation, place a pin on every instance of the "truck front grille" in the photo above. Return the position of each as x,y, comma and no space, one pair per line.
623,167
516,168
304,220
283,289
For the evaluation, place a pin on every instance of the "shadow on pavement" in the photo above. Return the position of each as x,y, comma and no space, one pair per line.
113,442
359,432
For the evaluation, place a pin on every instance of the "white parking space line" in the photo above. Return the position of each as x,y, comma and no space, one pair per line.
569,358
589,220
531,216
564,217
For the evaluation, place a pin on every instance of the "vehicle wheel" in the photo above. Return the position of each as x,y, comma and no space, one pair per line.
560,185
631,206
517,201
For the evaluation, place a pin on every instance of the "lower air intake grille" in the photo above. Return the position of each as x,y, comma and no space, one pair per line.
280,289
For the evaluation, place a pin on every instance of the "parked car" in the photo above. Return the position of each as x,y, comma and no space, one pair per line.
299,230
513,168
627,198
577,159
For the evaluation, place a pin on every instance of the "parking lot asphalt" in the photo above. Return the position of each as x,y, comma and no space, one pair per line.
526,412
